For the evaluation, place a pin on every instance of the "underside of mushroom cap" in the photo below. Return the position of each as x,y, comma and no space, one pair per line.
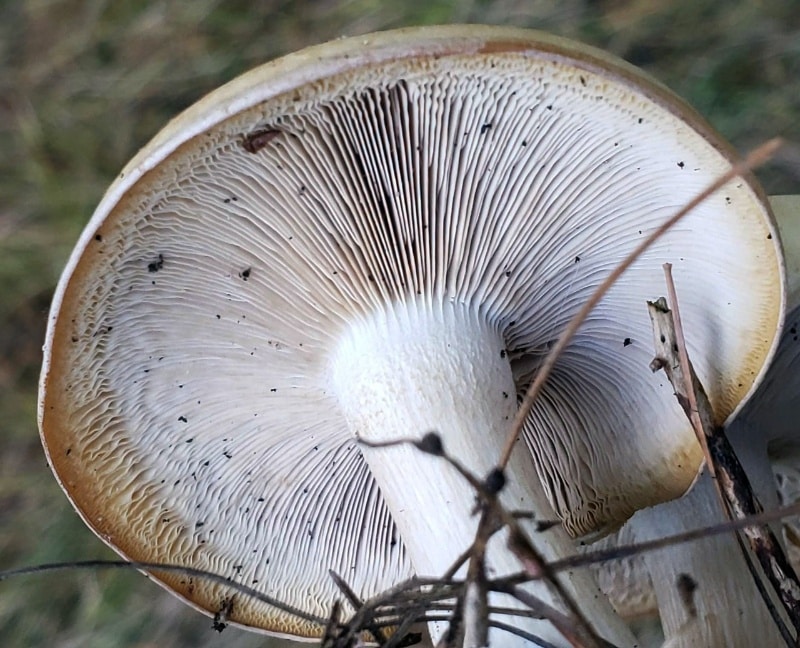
185,403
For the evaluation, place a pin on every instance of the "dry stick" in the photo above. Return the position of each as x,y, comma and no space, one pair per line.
688,385
752,160
694,401
495,517
470,617
583,635
725,469
733,481
559,620
402,620
668,340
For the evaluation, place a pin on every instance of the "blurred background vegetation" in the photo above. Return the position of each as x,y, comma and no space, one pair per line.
85,83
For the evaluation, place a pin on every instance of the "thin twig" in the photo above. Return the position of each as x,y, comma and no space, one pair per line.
562,622
535,565
600,556
532,638
159,567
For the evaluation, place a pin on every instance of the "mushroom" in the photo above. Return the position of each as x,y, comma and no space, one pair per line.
728,608
372,239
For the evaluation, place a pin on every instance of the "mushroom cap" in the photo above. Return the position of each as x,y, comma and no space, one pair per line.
184,403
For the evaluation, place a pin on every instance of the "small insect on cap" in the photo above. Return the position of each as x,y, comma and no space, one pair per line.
442,198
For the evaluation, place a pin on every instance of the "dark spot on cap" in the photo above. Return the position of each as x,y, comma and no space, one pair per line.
257,140
155,266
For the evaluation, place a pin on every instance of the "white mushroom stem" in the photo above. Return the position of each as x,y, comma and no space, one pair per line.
414,368
730,610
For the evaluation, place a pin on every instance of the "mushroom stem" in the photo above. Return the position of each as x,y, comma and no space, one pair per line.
414,368
727,609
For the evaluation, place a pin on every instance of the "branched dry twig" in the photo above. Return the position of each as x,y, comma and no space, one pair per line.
418,600
627,551
668,339
467,626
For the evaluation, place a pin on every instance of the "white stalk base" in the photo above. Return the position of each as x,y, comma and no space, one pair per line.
420,368
730,611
